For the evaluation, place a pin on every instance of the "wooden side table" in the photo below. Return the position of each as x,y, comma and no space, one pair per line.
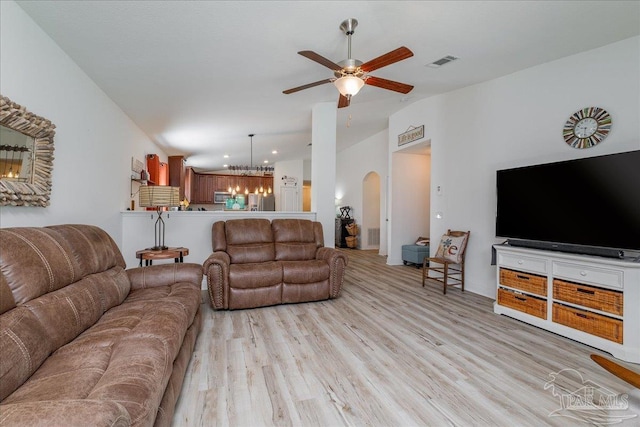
148,255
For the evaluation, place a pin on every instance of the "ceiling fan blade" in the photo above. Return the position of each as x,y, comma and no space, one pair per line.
307,86
343,101
388,84
320,59
387,59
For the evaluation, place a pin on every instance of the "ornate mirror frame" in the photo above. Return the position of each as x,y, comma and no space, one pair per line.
36,192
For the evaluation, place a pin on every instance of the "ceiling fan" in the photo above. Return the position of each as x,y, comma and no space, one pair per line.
351,74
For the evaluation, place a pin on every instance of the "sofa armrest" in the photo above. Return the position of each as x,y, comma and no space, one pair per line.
216,268
68,413
165,275
337,265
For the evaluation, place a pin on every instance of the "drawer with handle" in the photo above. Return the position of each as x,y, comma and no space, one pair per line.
524,303
524,281
586,321
589,296
523,263
592,275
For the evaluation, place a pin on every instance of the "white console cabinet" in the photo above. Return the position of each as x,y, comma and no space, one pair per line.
590,299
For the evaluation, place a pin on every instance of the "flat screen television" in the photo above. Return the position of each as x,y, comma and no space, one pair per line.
588,206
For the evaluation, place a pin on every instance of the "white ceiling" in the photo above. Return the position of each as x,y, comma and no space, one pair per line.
199,76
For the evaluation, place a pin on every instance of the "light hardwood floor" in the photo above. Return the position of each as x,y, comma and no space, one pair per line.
386,353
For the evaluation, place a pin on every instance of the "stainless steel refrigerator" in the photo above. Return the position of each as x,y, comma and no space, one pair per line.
267,203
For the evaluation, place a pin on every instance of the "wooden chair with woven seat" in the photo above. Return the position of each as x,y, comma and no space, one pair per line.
448,263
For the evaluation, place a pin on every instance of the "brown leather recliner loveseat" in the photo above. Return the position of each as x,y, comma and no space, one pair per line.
257,263
84,342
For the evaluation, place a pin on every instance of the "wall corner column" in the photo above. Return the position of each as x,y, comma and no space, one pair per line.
323,167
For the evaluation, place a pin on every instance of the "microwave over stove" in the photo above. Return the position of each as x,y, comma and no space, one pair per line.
220,197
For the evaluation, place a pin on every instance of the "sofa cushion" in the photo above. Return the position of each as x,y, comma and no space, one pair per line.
257,297
57,256
68,312
310,271
25,346
295,239
67,413
91,247
249,240
305,280
55,318
250,276
6,297
292,293
126,357
50,261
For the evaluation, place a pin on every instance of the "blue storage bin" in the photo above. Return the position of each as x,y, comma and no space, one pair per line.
414,254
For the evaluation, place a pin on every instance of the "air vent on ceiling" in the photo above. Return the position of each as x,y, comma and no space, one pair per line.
440,62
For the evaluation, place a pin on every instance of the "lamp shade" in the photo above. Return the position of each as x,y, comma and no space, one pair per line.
349,85
159,195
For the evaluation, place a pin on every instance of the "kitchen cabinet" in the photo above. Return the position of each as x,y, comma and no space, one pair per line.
163,174
222,183
204,185
189,179
153,168
177,172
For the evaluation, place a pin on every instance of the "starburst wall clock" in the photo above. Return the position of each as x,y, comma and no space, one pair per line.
587,127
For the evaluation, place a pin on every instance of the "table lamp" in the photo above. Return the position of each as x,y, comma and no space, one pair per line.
159,196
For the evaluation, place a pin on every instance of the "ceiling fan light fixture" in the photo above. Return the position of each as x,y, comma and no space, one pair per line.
349,85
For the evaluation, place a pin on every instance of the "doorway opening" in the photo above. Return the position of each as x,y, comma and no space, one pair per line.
370,229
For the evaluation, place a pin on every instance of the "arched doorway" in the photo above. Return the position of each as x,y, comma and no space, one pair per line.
370,229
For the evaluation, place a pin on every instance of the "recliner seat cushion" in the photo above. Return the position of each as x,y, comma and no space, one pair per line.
301,272
255,275
305,280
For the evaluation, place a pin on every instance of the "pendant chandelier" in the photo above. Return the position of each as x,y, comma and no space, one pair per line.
250,169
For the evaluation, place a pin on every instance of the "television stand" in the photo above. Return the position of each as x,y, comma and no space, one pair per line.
566,247
589,299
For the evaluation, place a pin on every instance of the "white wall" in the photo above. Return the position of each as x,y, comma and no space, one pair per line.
512,121
323,169
94,139
371,155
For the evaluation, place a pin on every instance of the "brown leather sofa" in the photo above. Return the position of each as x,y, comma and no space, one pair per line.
257,263
84,342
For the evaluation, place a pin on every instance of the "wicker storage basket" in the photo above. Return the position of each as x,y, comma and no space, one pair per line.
589,296
525,303
591,323
352,229
524,281
352,241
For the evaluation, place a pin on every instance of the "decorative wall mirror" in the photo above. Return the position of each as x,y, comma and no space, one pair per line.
26,156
